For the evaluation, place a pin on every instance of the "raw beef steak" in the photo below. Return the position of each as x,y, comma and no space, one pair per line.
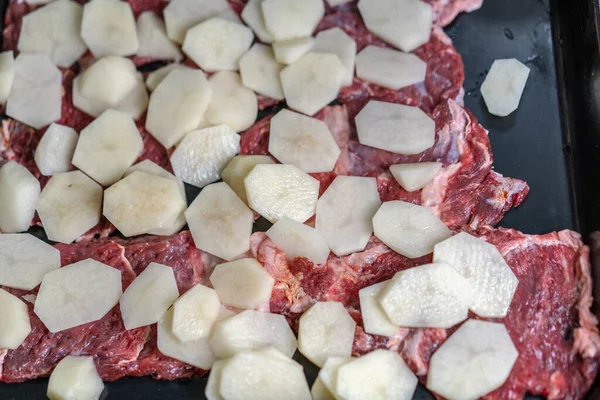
549,320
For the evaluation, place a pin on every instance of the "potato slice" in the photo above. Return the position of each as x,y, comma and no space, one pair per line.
77,294
328,375
55,150
474,361
382,372
243,283
256,376
108,28
109,80
253,17
213,385
289,51
312,82
334,3
144,203
37,2
260,71
326,330
153,39
156,77
503,86
276,191
221,224
289,19
395,127
19,195
415,176
7,74
54,30
177,105
195,352
298,240
36,91
253,330
404,24
112,136
336,41
195,313
152,168
428,296
389,68
75,378
375,320
203,154
149,296
15,325
181,15
24,260
217,44
345,213
409,229
232,104
70,205
481,263
271,351
237,170
302,141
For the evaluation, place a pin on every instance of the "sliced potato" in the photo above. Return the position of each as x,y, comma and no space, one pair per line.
217,44
334,3
290,19
109,80
256,376
290,51
395,127
144,203
195,352
481,263
271,351
276,191
231,15
409,229
232,104
302,141
108,28
474,361
181,15
328,374
326,330
312,82
203,154
35,94
19,196
55,150
336,41
153,39
221,224
345,213
77,294
404,24
415,176
237,170
54,30
24,260
375,320
243,283
149,296
37,2
195,313
7,74
152,168
260,71
319,391
503,86
213,385
70,205
156,77
253,17
15,325
382,372
298,240
253,330
389,68
112,136
75,378
177,105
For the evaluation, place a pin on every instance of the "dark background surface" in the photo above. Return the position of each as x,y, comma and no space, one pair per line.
551,141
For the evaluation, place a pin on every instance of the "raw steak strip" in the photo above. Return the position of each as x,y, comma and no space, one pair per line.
549,319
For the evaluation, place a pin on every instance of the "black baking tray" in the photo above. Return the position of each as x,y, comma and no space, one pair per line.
552,141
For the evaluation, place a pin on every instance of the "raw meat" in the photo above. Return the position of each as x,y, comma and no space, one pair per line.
549,320
444,11
465,191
